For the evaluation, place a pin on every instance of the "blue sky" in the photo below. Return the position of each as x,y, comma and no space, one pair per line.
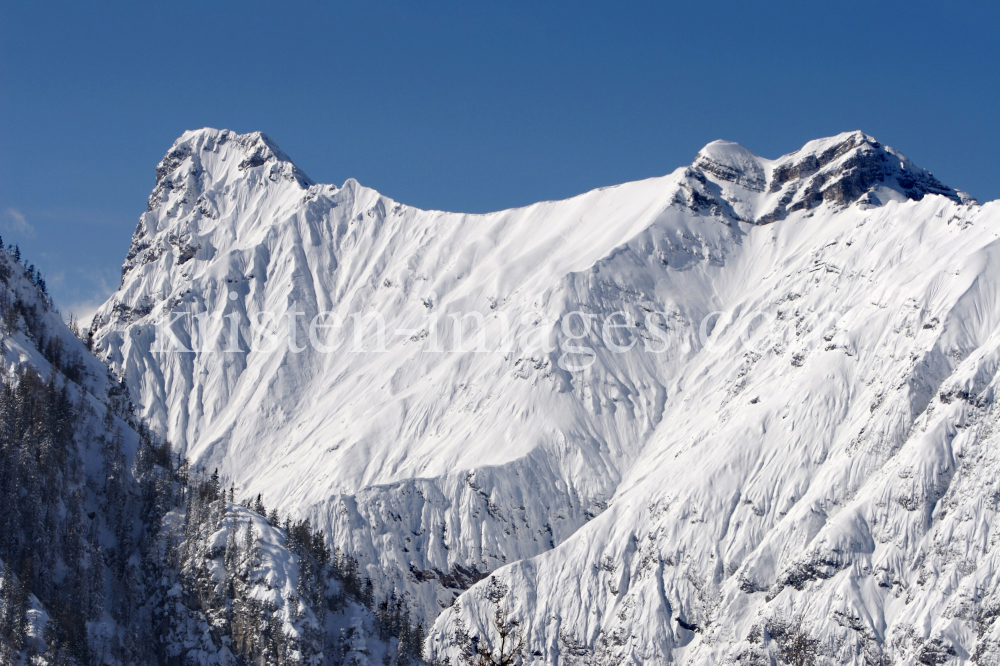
469,106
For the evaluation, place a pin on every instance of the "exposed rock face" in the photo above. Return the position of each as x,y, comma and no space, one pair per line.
846,169
734,164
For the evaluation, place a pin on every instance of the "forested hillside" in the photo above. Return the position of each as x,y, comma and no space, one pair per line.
114,550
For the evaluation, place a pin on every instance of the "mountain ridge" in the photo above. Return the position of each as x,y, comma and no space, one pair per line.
438,469
812,157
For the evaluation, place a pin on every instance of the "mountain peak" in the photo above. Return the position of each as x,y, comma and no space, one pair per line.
849,168
195,176
733,163
206,155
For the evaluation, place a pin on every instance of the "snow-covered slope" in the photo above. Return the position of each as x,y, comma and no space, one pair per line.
830,454
774,416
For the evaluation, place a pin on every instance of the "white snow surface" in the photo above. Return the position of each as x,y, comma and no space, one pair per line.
804,431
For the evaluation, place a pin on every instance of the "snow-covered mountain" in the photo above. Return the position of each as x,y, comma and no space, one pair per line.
715,414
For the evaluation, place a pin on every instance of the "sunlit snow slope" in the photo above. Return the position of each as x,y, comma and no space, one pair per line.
806,406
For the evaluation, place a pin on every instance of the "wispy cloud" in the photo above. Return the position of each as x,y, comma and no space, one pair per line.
13,221
83,312
98,288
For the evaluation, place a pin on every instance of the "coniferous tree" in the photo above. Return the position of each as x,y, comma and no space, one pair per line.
13,615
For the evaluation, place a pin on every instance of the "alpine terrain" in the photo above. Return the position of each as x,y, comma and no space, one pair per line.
743,413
